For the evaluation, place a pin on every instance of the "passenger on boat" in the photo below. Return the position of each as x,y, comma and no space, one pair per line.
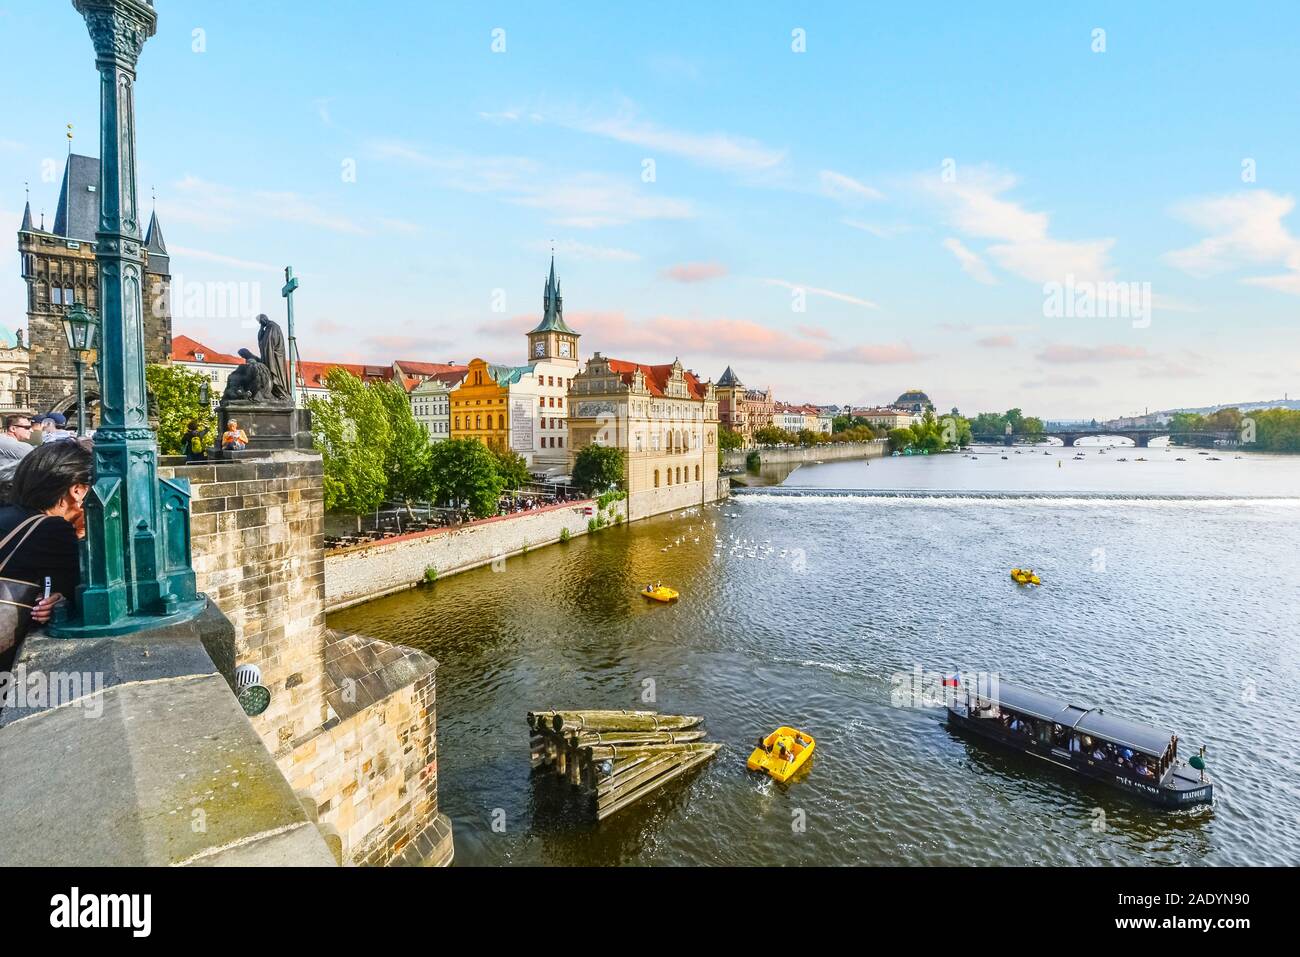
1098,754
1143,770
1076,745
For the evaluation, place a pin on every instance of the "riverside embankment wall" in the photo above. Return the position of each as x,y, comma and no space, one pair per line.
363,572
829,452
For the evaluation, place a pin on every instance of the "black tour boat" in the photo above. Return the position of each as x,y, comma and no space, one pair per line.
1131,756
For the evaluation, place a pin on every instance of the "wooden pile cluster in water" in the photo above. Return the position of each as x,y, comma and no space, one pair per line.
617,757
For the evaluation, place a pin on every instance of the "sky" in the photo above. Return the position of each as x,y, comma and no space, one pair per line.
1078,209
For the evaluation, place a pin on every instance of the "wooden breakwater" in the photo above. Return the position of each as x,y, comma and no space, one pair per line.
616,758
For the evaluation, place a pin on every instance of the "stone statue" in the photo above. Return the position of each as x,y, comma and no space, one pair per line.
270,343
250,382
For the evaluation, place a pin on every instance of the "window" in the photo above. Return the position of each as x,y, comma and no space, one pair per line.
56,296
697,473
560,440
541,403
656,478
501,421
478,421
457,423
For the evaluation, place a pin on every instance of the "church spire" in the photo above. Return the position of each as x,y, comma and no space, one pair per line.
553,306
153,238
26,227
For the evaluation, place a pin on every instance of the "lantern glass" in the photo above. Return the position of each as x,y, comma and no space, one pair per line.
79,327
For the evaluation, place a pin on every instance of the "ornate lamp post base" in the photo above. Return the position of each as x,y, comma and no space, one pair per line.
63,627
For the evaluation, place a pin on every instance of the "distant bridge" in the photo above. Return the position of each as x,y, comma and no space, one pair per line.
1139,437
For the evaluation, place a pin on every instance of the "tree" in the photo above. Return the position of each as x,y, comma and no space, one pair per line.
176,391
512,468
350,429
599,468
406,460
773,435
465,476
729,439
901,439
807,437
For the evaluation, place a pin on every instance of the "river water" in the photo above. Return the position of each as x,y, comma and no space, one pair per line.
1171,595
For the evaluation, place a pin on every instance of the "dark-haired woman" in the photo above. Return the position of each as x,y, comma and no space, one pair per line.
49,488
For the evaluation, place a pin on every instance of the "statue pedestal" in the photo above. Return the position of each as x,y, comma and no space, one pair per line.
269,428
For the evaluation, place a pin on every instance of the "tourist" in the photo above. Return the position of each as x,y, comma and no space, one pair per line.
194,441
234,439
15,443
49,487
52,428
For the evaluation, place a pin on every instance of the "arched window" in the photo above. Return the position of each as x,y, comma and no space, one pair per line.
457,423
697,473
478,421
656,478
501,421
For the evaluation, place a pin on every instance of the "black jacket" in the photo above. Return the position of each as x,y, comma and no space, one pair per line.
50,550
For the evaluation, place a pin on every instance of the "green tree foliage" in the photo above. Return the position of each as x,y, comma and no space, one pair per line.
729,439
598,468
931,434
995,423
176,391
1263,430
406,461
774,435
350,429
465,475
807,437
512,468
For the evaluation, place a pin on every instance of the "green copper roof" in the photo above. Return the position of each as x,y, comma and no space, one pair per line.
508,375
553,307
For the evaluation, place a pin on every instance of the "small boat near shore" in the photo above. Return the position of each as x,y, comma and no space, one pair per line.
660,593
1131,756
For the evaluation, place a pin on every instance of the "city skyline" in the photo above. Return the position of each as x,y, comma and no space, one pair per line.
853,177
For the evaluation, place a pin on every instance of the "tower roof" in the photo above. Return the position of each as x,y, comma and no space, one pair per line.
159,259
553,307
153,238
78,213
729,378
26,227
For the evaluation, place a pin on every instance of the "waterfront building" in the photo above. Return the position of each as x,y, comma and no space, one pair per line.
888,418
431,402
825,421
494,404
663,418
59,269
15,391
788,417
914,400
554,361
743,410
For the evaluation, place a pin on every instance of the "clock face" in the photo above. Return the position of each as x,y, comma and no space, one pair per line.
564,349
539,348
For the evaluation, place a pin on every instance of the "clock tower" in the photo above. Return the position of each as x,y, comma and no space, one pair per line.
553,341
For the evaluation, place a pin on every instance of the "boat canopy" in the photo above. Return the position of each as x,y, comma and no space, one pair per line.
1140,737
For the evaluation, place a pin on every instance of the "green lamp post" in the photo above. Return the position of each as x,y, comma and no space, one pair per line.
135,558
80,326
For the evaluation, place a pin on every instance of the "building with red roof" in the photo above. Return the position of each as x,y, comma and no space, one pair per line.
663,417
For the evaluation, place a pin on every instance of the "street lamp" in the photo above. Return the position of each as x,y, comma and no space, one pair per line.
80,328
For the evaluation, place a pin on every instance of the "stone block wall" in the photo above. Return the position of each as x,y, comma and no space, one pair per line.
363,572
351,719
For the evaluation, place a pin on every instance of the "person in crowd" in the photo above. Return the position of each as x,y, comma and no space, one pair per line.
195,441
53,428
234,438
52,481
15,444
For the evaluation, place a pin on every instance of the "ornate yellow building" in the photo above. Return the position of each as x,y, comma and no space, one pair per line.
480,407
664,419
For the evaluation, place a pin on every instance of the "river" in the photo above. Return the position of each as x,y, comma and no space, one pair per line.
1171,595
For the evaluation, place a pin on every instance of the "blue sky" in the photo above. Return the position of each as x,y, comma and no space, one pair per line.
881,211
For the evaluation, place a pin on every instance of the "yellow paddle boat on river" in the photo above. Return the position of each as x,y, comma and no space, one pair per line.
1025,576
659,593
782,753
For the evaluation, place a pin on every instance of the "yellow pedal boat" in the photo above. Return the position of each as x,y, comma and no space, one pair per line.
1025,576
782,753
660,593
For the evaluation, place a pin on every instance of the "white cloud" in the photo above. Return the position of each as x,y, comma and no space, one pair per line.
824,293
974,206
216,206
839,186
584,200
181,253
1246,229
971,263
